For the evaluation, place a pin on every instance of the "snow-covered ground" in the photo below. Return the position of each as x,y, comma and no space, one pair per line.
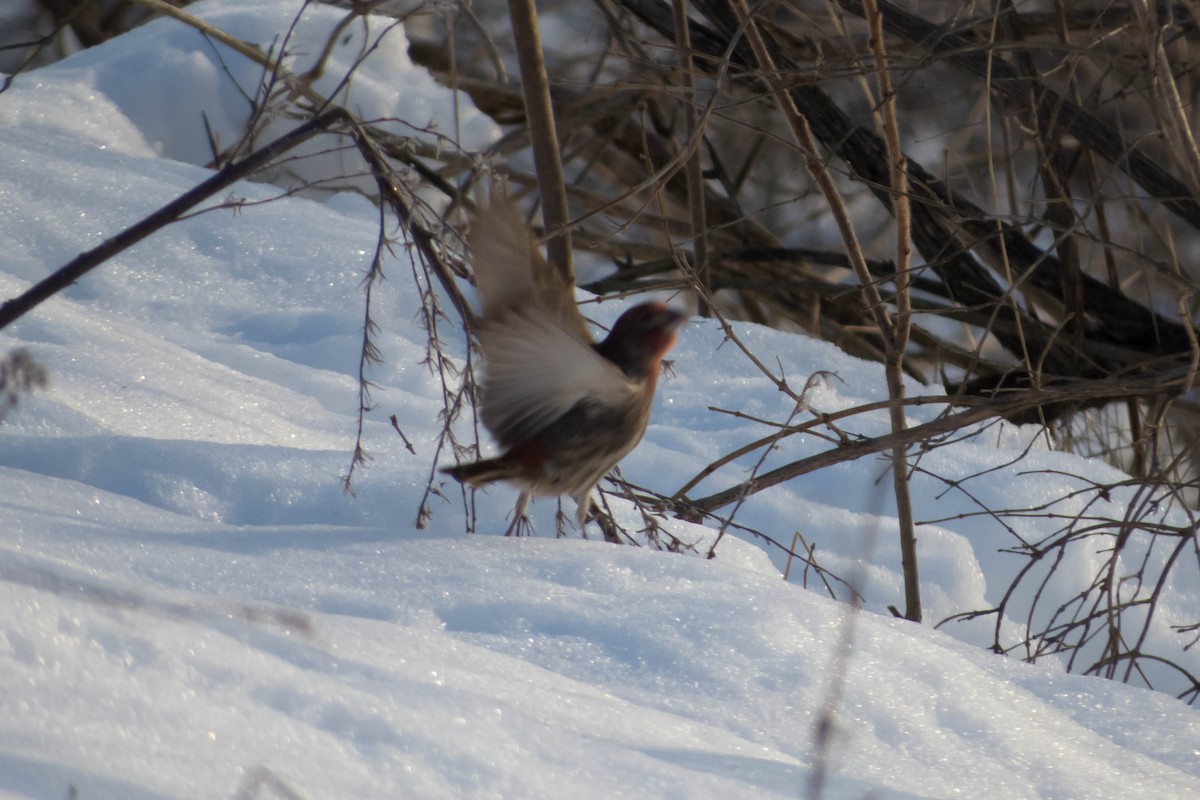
194,607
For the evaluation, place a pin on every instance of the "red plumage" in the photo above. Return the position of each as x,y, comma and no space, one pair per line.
563,408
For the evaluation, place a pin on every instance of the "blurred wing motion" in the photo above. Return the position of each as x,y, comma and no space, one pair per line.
536,371
539,359
510,271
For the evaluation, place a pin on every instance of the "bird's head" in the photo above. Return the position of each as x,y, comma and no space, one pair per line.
641,337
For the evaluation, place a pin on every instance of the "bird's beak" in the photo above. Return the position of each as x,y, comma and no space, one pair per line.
673,319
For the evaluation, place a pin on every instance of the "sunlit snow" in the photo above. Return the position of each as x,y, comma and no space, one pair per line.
193,606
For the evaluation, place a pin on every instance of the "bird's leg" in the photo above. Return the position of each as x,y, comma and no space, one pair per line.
583,507
520,523
588,509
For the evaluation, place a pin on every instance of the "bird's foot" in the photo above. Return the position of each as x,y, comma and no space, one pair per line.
560,523
612,533
520,526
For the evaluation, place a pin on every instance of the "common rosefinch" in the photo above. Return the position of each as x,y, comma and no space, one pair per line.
564,409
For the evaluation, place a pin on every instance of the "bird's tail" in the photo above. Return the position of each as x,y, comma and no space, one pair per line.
483,472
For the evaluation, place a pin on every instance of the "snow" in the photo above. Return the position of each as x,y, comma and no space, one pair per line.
194,607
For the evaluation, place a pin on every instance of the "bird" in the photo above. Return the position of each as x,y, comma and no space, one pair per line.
563,408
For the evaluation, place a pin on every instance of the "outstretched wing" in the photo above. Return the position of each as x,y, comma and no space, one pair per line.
511,273
535,371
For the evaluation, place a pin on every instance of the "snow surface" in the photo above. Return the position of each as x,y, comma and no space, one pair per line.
195,608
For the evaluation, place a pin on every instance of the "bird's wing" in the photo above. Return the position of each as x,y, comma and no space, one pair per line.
535,371
510,271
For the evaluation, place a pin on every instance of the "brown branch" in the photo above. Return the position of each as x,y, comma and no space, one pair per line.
1005,79
1166,384
945,225
539,115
